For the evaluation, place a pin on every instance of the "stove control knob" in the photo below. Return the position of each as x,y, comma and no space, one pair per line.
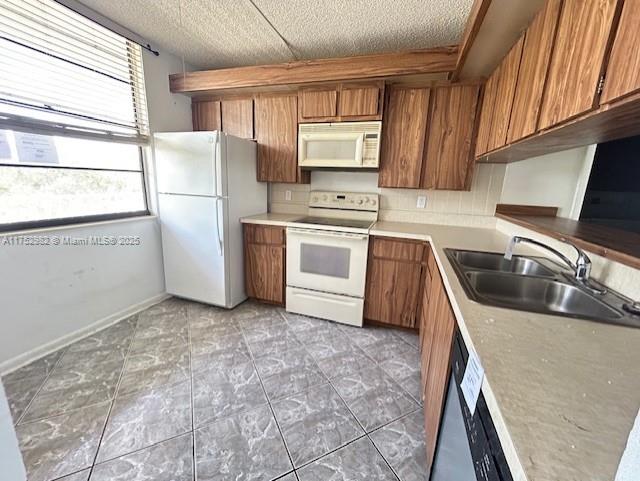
315,198
359,201
373,202
324,197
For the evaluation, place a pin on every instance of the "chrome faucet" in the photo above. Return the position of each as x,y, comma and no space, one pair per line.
581,268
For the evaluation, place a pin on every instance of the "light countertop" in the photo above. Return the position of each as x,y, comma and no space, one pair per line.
563,393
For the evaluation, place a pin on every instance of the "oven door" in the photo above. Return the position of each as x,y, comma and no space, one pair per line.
327,261
330,149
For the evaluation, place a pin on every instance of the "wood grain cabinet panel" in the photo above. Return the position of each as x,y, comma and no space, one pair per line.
237,117
623,72
318,104
206,115
395,273
357,101
438,373
438,324
264,258
505,92
392,293
403,134
449,156
276,131
536,54
486,113
581,44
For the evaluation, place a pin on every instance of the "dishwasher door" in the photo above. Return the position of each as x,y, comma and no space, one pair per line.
453,461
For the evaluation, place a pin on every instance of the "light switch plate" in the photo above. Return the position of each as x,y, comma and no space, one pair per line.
287,195
421,203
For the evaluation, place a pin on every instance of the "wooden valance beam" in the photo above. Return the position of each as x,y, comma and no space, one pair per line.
425,61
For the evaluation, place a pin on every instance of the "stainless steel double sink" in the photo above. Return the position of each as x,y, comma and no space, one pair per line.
535,284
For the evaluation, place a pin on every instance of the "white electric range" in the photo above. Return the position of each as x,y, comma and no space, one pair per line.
327,256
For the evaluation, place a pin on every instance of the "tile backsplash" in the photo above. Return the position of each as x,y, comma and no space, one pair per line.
475,207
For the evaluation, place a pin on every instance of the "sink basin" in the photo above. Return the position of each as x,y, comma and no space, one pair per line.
538,285
537,294
496,262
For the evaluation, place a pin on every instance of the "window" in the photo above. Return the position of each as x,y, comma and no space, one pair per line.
73,118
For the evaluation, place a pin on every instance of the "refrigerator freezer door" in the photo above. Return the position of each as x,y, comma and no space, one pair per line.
186,163
193,247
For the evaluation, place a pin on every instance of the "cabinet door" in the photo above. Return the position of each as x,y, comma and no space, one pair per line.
392,293
237,117
318,104
536,54
264,272
403,136
577,61
449,156
505,92
206,115
486,114
264,264
359,101
623,73
440,344
394,279
276,134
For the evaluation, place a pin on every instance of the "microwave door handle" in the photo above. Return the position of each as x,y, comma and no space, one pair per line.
359,149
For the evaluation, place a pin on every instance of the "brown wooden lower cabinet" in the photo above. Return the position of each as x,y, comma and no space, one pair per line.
264,263
437,328
395,273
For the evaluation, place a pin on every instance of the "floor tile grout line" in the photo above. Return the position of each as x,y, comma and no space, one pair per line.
284,442
115,395
193,411
47,376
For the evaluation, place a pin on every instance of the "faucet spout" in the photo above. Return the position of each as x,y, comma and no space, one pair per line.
581,268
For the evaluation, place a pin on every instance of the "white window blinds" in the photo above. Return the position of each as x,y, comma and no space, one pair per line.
62,74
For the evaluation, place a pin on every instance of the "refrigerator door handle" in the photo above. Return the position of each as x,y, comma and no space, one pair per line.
218,199
216,164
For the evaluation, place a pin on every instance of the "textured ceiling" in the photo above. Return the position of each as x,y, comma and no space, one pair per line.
230,33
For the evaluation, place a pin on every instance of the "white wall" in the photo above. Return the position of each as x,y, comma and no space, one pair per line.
50,296
557,180
10,457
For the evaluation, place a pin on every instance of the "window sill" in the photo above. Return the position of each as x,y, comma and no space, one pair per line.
77,225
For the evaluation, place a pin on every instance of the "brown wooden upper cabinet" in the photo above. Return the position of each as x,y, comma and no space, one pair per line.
237,117
486,113
341,102
428,137
505,93
276,131
449,155
206,115
403,133
623,72
581,44
536,54
395,271
264,262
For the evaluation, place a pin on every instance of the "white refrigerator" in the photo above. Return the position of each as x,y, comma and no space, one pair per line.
206,182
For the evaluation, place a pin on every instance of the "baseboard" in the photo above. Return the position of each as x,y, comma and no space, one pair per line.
24,359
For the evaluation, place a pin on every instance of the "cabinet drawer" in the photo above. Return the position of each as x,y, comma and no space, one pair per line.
262,234
395,249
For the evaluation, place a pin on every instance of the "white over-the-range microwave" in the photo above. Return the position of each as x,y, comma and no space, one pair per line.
339,145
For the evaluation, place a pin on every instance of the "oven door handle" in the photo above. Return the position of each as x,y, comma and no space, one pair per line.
325,233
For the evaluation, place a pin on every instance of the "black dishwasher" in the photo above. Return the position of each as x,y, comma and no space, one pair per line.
468,446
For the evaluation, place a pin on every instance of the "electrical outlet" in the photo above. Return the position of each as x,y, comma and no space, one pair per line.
287,195
421,203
